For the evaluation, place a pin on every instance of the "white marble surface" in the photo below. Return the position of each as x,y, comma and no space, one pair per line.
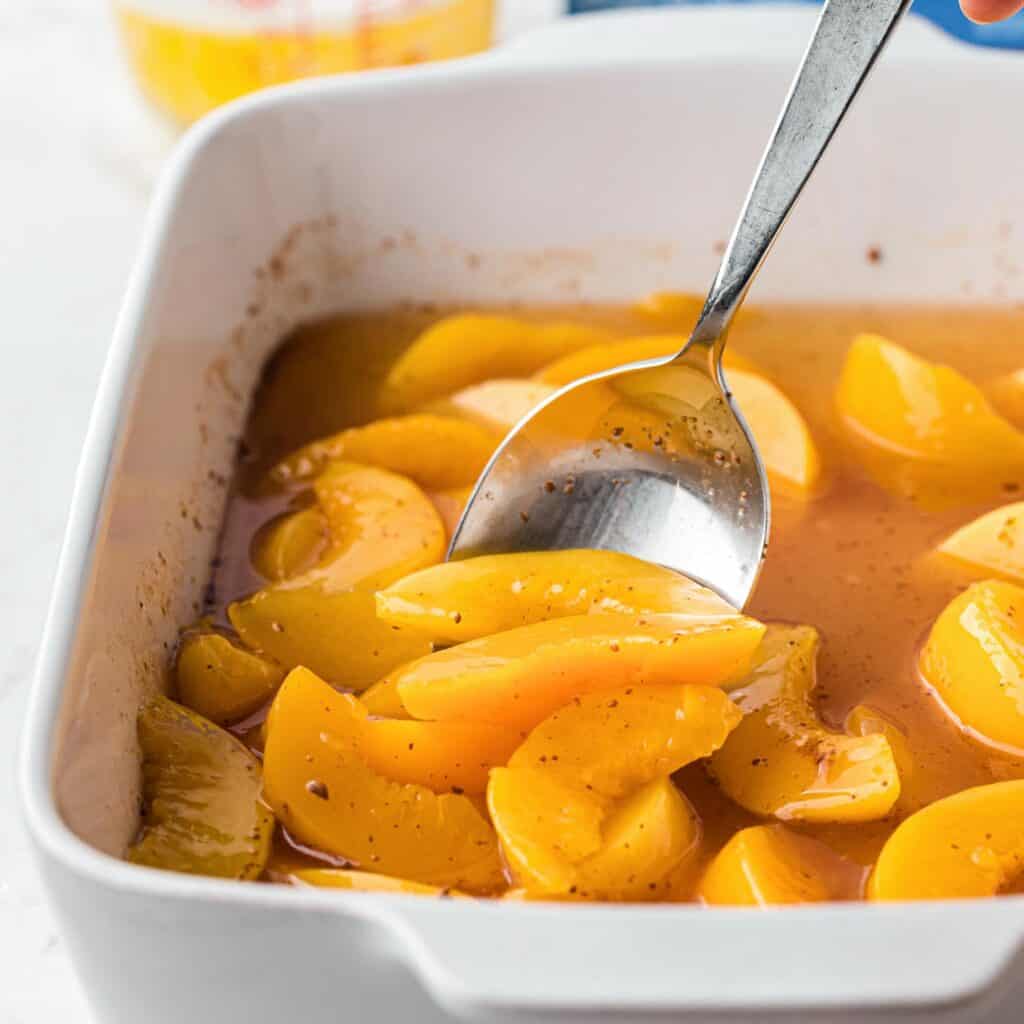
78,155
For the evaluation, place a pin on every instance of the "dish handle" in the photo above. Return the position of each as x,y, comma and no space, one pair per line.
502,961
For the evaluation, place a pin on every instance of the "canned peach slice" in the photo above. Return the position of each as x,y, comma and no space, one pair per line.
475,597
202,812
968,844
992,544
290,544
471,347
974,659
318,779
922,429
221,680
782,762
783,438
495,405
520,676
586,807
769,864
418,446
381,526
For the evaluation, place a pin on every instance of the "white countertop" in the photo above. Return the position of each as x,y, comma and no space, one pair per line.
78,155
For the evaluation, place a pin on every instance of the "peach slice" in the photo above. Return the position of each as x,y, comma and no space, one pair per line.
318,780
495,405
992,543
644,839
382,527
974,659
782,762
922,429
334,633
290,544
782,435
967,845
867,721
202,812
612,743
1007,393
585,806
382,701
468,348
420,447
443,756
618,353
222,681
521,676
678,311
607,357
475,597
769,864
367,881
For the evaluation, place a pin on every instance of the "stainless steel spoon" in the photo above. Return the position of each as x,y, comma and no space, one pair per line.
653,458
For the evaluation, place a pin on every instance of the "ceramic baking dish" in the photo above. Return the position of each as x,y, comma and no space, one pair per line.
490,180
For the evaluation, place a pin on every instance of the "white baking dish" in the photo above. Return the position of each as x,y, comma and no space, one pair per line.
490,180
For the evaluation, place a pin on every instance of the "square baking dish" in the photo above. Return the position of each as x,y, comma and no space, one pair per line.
485,181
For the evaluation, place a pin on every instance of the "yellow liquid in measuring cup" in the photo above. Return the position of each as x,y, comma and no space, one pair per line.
191,56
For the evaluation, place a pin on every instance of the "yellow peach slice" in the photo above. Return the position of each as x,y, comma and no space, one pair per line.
495,405
612,743
382,700
993,543
644,838
678,310
770,864
782,435
1007,395
619,353
202,811
468,348
922,429
577,811
317,779
334,633
444,756
382,527
521,676
782,762
421,447
473,598
367,881
290,544
545,828
866,721
967,845
222,681
974,659
607,357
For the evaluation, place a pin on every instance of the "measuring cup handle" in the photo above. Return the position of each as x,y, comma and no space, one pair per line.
848,38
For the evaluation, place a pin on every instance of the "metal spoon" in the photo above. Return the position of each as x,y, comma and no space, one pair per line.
653,459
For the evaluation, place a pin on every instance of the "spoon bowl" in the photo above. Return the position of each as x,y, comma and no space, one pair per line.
653,459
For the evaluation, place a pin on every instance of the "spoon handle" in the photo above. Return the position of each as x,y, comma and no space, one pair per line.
849,37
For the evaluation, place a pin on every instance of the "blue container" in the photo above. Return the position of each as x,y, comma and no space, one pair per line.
1007,35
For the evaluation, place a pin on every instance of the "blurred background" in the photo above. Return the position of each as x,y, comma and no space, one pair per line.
93,96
